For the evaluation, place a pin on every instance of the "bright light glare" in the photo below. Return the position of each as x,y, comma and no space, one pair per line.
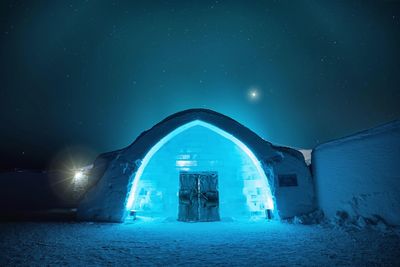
78,176
264,186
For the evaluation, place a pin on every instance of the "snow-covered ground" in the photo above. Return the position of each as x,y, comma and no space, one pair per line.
169,243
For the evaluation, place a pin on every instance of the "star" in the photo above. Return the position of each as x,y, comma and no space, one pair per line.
253,94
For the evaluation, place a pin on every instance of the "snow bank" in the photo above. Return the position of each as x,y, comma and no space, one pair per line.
360,174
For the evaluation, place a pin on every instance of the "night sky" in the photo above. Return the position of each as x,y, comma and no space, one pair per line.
89,76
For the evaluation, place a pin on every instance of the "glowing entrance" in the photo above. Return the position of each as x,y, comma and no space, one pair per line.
200,147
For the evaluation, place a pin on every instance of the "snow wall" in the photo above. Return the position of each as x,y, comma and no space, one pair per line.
288,175
360,174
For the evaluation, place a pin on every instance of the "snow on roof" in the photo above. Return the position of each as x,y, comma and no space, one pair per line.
307,155
383,128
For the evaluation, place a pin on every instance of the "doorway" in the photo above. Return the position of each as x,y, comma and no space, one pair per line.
198,197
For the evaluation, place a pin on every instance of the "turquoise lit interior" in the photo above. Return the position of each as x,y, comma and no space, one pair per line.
198,146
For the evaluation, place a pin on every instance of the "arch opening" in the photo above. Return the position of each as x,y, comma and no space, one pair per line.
198,146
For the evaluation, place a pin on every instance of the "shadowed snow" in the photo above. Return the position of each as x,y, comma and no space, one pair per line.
163,243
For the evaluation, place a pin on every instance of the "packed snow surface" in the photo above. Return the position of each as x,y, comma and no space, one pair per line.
171,243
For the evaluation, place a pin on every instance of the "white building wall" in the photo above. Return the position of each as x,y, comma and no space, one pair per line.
294,200
360,174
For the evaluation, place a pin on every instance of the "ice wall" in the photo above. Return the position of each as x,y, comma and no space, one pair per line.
360,174
201,149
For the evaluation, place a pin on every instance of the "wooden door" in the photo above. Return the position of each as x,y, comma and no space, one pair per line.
208,197
188,197
198,196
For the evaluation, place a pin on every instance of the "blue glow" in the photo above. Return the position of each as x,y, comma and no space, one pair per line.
200,146
183,163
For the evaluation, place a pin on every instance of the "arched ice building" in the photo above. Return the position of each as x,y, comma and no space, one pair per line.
198,165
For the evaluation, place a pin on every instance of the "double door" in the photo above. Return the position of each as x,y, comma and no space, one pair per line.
198,197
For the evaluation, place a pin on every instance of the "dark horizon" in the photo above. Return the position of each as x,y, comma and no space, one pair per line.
83,78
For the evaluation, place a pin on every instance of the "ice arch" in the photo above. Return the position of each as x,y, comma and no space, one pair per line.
243,191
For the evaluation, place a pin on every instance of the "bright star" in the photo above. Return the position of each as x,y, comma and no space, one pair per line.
253,94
